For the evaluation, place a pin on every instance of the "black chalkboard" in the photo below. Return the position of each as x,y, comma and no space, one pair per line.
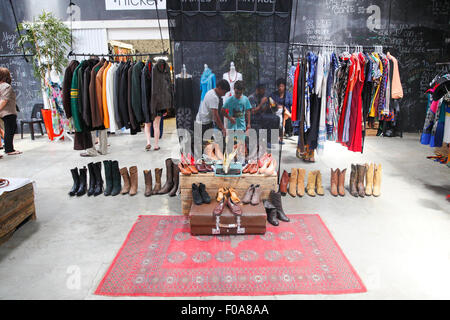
417,32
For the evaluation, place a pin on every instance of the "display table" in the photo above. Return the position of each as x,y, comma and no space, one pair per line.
213,183
15,207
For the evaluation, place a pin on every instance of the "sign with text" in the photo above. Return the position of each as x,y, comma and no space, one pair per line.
134,4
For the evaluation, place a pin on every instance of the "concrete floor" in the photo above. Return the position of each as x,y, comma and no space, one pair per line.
399,243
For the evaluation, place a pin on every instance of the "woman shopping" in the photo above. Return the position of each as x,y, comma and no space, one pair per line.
8,112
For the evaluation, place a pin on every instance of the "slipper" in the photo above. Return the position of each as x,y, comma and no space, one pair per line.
157,148
14,153
148,147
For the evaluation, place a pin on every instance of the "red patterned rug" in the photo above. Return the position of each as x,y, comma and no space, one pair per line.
161,258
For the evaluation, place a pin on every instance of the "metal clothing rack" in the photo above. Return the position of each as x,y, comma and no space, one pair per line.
71,54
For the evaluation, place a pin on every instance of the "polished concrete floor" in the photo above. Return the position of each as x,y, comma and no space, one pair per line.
398,243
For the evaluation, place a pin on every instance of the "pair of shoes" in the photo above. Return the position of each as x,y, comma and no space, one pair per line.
227,192
251,168
267,165
252,195
372,174
172,180
79,182
314,185
274,209
297,182
338,182
213,152
95,179
202,167
130,180
199,194
187,165
112,178
228,197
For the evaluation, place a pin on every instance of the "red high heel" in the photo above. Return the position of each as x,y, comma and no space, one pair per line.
191,159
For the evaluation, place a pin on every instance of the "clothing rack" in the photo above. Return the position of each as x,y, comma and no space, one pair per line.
71,54
330,45
442,63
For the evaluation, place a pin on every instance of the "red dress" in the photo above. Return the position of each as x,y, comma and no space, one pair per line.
295,94
355,141
350,84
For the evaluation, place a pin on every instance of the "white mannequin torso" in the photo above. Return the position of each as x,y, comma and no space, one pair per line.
231,77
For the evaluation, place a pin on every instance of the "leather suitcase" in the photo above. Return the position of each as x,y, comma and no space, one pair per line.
252,221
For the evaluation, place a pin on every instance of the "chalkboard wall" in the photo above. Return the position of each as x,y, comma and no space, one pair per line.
418,33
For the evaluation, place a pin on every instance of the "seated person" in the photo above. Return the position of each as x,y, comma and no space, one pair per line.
283,100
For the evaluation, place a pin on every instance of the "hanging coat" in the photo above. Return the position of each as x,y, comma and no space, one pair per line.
66,87
161,98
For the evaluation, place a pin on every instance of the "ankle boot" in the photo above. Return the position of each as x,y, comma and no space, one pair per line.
361,175
92,181
256,197
319,186
133,180
98,179
169,178
271,213
377,181
205,196
353,181
275,198
176,180
341,183
334,182
148,182
196,195
108,177
293,182
284,182
369,180
158,173
126,180
76,182
301,182
248,194
83,182
116,179
310,187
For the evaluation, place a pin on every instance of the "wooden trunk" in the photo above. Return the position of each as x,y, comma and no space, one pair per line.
15,207
213,183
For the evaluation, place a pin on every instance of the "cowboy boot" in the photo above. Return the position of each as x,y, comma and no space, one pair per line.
98,179
126,180
310,187
176,180
271,212
248,194
353,180
108,177
158,173
92,181
275,198
76,182
319,186
334,182
301,182
293,182
369,179
341,183
117,181
377,181
133,180
169,178
360,181
148,182
83,182
283,183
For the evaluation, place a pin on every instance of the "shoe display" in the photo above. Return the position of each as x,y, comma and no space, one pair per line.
76,182
133,180
334,182
319,186
360,180
98,179
311,186
205,196
275,199
92,180
377,181
353,181
341,182
369,179
301,182
176,180
293,182
126,180
148,183
169,178
108,177
83,182
196,196
256,197
284,183
271,213
158,174
234,207
248,194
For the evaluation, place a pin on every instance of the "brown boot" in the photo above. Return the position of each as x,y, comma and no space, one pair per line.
126,181
148,182
301,182
284,183
293,182
334,182
369,180
360,181
169,178
133,180
158,173
353,179
176,180
310,187
377,181
319,186
341,183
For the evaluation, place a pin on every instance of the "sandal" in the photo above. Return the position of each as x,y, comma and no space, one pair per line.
156,149
148,147
14,153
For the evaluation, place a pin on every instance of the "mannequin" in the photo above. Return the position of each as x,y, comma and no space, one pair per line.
231,76
183,74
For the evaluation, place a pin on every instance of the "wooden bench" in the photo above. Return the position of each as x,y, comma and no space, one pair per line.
213,183
15,207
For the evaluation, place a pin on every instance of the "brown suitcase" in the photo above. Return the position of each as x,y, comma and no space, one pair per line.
202,221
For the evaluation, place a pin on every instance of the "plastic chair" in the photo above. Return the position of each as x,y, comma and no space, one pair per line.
36,118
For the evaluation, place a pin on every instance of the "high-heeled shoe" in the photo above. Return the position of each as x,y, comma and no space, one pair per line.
233,195
271,169
220,194
184,169
265,166
262,160
190,159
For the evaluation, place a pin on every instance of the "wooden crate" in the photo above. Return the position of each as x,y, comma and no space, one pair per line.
15,207
213,183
